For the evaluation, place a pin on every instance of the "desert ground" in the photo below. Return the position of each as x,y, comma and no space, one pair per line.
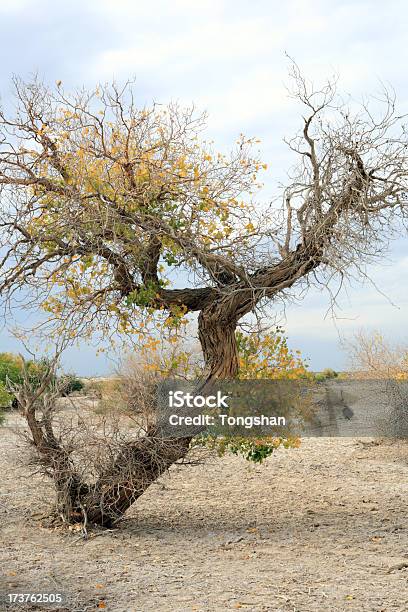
322,527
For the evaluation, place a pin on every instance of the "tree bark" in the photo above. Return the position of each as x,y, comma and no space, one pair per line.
133,471
218,343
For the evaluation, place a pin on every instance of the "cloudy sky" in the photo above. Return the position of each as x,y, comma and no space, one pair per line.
228,57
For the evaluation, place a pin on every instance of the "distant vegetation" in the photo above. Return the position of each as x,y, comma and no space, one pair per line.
326,374
11,374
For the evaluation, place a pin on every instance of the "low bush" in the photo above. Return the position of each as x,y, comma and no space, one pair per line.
326,374
69,383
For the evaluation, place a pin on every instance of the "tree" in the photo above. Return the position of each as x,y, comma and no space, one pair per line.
99,464
103,202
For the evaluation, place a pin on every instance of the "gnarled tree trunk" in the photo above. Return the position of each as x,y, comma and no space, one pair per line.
142,462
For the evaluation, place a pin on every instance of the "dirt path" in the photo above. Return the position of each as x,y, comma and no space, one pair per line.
318,528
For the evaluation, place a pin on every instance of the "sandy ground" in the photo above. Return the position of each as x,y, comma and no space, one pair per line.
320,528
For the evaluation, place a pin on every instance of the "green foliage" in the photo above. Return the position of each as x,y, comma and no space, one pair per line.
37,369
11,372
251,449
261,356
69,383
170,258
10,369
5,397
143,296
264,356
5,401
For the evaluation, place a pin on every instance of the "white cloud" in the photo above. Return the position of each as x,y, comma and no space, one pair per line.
229,56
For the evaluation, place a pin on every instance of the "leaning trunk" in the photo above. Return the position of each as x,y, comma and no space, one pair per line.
132,472
138,465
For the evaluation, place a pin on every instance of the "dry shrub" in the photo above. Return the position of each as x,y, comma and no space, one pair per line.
130,394
134,385
373,356
94,387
